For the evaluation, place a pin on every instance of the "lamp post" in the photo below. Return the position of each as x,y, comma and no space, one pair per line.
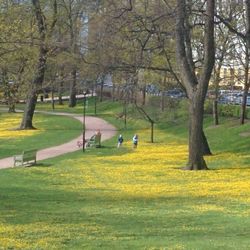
83,124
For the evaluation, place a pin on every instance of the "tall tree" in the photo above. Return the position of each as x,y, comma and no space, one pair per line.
196,87
31,100
235,10
222,48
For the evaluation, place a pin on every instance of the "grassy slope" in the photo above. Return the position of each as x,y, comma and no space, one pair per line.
113,198
48,133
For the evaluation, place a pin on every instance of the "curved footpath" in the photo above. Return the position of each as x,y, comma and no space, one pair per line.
91,124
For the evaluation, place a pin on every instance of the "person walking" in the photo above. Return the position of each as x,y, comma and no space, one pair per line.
120,141
135,141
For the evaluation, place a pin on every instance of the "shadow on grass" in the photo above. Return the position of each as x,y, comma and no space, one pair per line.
43,165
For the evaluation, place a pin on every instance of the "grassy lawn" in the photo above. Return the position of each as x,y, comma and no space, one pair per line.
111,198
49,132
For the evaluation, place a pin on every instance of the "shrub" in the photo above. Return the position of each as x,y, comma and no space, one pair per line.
208,107
229,110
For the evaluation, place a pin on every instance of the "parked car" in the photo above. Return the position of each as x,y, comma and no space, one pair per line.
239,98
175,93
233,98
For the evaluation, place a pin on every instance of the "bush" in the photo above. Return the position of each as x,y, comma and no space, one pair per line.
208,107
229,110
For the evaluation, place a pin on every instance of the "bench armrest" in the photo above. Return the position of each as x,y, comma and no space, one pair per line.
18,157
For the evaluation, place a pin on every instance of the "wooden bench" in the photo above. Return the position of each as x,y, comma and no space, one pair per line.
94,141
28,157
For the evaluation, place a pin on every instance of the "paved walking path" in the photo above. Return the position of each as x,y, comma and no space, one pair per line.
91,124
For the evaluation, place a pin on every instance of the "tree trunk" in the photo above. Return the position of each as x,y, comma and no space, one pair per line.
74,51
118,93
32,96
246,80
11,99
60,100
12,108
40,71
144,95
215,112
60,88
196,160
72,95
196,88
101,91
205,146
243,106
246,88
27,121
113,92
162,101
152,132
52,99
216,89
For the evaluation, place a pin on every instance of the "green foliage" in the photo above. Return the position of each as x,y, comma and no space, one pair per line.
227,110
208,107
17,48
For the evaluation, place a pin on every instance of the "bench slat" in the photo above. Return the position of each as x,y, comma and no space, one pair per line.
28,156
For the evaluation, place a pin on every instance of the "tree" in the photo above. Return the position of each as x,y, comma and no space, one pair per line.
149,119
196,87
73,12
235,10
222,49
44,34
144,41
15,50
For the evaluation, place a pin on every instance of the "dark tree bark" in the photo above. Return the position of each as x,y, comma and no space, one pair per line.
216,89
196,88
52,99
196,160
205,145
246,88
144,95
215,111
29,110
72,95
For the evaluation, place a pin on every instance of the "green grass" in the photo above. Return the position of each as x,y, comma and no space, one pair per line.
49,132
111,198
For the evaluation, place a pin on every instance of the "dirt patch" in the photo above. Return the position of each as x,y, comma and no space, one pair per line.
245,134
